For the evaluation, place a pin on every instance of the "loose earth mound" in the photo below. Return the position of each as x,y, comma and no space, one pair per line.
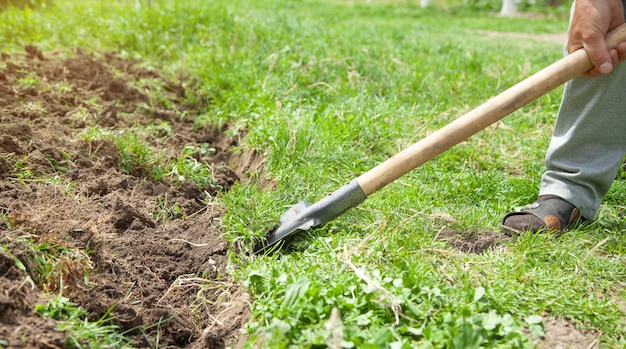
86,214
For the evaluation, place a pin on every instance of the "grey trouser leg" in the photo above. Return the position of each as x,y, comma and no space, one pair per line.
589,141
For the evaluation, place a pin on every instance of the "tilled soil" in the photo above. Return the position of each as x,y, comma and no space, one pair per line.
144,253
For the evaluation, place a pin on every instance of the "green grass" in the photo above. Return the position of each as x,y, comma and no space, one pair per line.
327,90
136,157
80,332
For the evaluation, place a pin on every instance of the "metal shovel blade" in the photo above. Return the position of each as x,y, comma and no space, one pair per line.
304,216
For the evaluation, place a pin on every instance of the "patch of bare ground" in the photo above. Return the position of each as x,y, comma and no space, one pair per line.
472,242
561,334
147,253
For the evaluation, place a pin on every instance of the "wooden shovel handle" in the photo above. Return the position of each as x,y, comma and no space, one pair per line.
486,114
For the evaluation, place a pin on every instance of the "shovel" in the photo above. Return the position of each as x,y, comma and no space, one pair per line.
304,215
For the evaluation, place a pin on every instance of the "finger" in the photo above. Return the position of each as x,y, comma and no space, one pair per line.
593,72
614,57
621,51
599,56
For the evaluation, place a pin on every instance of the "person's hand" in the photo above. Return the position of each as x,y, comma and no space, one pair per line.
591,21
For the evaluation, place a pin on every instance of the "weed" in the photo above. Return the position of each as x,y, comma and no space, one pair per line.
81,333
161,130
54,265
166,211
59,165
64,87
187,166
25,175
21,171
135,155
158,325
29,79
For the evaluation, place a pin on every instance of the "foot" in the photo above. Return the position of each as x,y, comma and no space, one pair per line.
547,213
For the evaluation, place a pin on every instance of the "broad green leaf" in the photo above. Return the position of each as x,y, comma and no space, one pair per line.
534,319
467,338
491,320
479,293
294,292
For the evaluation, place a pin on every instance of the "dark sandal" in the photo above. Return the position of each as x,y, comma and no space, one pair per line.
547,213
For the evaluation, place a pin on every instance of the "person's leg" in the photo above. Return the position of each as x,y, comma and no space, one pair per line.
588,142
586,150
